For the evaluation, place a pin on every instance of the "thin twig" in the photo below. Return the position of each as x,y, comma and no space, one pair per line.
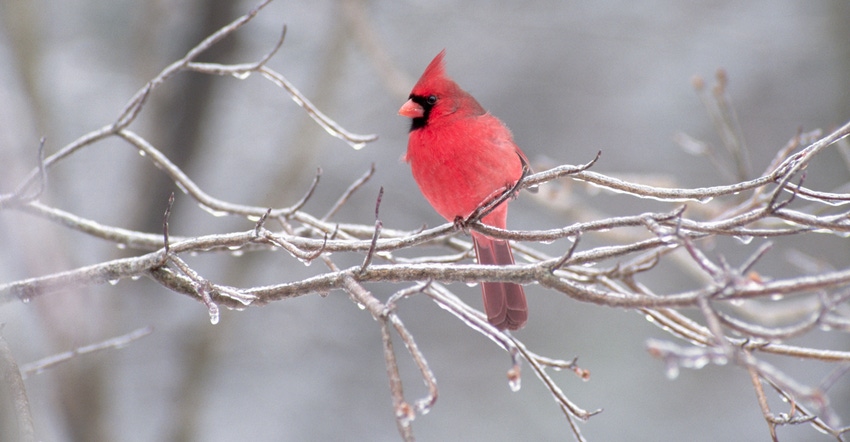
378,225
348,192
165,216
117,342
300,203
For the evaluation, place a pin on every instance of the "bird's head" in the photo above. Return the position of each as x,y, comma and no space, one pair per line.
437,98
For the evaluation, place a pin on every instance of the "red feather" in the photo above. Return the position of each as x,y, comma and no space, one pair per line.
461,157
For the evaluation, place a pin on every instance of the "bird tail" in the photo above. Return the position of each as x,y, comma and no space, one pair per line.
504,302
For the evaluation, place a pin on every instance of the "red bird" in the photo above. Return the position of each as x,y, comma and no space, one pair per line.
462,157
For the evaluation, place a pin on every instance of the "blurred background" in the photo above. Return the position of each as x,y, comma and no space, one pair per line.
569,79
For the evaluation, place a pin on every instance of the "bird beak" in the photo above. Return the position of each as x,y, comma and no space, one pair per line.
411,109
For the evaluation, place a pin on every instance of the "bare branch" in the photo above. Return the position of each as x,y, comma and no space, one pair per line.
117,342
19,196
378,226
354,140
300,203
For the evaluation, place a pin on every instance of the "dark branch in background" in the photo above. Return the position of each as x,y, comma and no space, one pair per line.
14,395
730,329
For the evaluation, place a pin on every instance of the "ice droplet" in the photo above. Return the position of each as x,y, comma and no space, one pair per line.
698,362
241,75
236,250
706,199
113,281
514,378
515,384
182,187
423,406
142,153
121,245
211,211
405,414
214,314
777,297
672,371
471,284
744,239
356,145
670,241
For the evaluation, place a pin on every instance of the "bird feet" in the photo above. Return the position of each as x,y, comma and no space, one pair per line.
461,223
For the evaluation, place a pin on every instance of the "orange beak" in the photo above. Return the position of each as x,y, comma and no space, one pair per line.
411,109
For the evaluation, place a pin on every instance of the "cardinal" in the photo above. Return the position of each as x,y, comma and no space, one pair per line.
463,158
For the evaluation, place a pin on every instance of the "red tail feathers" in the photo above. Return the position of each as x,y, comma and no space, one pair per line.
504,302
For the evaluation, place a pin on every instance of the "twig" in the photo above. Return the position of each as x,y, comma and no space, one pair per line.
19,196
165,242
404,413
378,225
570,409
422,405
331,127
348,192
117,342
566,257
300,203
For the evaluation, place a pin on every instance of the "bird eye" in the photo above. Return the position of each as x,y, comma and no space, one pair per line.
431,99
